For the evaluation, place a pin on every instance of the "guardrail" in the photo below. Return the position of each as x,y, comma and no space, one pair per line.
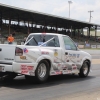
17,41
93,46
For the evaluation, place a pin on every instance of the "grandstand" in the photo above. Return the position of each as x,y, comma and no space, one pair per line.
20,22
21,32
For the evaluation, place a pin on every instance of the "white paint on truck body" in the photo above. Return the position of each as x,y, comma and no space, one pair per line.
64,57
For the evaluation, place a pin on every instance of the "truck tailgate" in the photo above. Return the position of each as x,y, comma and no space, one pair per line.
7,53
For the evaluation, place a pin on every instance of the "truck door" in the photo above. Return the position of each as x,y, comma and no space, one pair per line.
54,45
72,55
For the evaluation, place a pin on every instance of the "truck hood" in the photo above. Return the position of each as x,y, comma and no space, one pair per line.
86,54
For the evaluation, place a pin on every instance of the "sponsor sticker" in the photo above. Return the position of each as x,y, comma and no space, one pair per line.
25,50
23,57
74,67
52,73
25,69
73,56
45,53
55,54
58,72
65,71
23,66
30,67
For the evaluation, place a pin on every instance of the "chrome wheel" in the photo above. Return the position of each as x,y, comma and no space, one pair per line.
85,69
41,73
42,70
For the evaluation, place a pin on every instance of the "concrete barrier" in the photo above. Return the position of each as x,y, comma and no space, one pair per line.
92,52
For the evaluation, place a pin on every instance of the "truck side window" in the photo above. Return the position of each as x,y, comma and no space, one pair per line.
69,44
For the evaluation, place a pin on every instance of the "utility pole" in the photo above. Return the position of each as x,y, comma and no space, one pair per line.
69,7
90,15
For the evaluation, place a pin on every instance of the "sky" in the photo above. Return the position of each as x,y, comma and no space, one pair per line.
79,9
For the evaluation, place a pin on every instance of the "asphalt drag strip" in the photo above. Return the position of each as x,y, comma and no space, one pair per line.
61,87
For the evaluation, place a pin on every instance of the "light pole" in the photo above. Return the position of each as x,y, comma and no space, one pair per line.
69,7
90,15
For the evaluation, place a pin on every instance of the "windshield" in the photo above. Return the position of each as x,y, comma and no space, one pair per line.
39,39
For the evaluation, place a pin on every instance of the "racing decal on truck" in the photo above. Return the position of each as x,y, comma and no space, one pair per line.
8,59
25,50
44,53
74,67
56,72
23,57
25,69
73,56
55,53
64,66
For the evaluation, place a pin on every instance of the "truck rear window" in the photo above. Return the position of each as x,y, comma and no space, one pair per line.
39,39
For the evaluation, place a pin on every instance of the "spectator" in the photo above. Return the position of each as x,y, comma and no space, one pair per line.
85,42
10,39
24,39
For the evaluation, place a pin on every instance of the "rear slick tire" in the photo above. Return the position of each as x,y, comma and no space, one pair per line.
41,73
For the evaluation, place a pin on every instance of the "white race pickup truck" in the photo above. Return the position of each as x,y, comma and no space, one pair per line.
43,55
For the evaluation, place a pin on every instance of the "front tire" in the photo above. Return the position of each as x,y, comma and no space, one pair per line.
84,71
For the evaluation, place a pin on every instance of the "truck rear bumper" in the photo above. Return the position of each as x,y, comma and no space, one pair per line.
5,67
21,68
